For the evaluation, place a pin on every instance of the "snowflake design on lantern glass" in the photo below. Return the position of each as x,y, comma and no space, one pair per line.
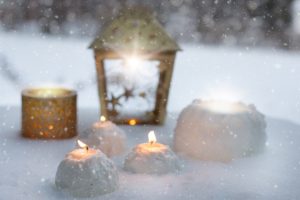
131,87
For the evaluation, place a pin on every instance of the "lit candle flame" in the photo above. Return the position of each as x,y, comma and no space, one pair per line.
102,118
151,137
132,122
83,145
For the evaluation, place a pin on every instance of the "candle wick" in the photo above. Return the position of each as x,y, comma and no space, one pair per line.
151,142
87,148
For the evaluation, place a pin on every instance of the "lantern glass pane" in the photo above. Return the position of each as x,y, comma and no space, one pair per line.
131,87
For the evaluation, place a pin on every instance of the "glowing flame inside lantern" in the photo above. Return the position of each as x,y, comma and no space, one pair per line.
132,122
151,137
82,145
102,119
133,62
133,67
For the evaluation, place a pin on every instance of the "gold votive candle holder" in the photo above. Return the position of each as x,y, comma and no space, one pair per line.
49,113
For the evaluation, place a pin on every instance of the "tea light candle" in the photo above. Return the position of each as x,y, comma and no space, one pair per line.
107,137
151,158
49,113
86,172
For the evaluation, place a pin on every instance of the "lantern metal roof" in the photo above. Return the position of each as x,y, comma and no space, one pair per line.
134,30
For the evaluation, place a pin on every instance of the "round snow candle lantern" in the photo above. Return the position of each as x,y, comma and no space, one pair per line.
107,137
49,113
134,59
219,130
152,158
87,172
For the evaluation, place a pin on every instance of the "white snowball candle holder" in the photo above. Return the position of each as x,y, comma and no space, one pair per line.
219,130
151,158
86,172
107,137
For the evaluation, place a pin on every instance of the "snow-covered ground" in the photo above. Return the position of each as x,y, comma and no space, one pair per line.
267,78
28,167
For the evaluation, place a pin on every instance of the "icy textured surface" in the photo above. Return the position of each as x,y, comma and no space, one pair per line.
28,167
146,161
89,177
109,138
218,130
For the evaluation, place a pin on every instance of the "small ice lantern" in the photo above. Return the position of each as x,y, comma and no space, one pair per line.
134,61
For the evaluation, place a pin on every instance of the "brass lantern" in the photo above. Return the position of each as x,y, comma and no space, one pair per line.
134,60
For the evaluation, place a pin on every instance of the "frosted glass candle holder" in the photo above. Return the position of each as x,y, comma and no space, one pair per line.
49,113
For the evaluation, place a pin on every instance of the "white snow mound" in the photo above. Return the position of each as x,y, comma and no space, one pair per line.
90,177
110,139
220,131
150,161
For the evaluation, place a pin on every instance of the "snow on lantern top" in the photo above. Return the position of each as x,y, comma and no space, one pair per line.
136,30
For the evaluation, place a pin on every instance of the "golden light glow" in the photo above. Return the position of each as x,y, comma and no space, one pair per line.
48,112
133,66
133,61
50,127
151,137
132,122
224,107
102,118
48,92
148,148
83,145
